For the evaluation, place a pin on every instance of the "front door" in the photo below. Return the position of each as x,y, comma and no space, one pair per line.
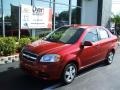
90,54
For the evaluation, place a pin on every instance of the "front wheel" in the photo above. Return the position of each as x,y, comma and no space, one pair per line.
69,73
109,58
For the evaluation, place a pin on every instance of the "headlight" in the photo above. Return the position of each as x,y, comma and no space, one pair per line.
50,58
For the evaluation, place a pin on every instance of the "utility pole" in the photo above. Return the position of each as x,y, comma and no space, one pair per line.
70,12
53,14
19,31
3,20
32,2
33,30
50,4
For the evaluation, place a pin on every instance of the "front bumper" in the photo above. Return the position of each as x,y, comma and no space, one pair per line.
46,71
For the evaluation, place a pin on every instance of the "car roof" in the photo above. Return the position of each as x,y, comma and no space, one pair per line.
85,26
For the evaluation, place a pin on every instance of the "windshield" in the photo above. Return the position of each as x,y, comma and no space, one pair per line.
67,35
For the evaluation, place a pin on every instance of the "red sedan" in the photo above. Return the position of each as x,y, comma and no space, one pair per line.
66,50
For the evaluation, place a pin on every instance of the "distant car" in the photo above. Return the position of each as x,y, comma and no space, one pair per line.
67,50
112,30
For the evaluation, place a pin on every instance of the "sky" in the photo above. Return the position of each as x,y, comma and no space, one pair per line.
59,8
116,6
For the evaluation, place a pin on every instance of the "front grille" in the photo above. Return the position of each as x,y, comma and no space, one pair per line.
29,56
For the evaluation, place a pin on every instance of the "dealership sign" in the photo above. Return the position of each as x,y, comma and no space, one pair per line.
35,17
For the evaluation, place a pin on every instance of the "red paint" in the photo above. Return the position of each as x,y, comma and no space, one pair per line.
84,57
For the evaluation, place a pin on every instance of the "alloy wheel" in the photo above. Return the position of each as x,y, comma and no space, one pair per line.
110,57
69,73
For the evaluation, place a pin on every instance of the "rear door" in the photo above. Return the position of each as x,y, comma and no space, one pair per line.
90,54
105,42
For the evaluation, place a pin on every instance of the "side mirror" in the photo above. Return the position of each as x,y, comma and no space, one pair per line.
87,43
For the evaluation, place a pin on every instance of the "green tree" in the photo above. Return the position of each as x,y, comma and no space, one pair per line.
0,19
8,18
116,19
65,15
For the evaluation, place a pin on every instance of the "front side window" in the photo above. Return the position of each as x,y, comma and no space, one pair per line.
67,35
103,34
92,36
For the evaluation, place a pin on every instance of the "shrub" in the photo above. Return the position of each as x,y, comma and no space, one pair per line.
1,46
15,38
23,42
43,35
34,39
7,46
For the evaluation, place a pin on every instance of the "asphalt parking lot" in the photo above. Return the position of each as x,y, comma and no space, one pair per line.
97,77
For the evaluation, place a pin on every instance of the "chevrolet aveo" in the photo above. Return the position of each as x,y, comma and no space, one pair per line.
65,51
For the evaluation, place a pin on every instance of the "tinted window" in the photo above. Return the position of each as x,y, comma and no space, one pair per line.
92,36
66,35
103,34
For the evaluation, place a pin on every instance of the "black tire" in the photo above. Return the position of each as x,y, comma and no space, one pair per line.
69,73
109,58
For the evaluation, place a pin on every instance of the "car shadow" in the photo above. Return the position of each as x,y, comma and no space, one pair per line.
15,79
98,65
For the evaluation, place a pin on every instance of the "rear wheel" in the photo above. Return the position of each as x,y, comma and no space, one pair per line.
69,73
109,58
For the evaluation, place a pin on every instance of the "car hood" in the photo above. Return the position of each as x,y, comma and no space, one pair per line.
42,47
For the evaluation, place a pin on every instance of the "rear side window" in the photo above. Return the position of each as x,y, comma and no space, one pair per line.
103,34
92,36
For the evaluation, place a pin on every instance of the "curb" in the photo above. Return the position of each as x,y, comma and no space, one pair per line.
9,59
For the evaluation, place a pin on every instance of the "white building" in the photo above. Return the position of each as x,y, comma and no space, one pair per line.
96,12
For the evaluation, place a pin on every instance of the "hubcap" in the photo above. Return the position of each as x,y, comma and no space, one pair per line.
70,73
110,57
